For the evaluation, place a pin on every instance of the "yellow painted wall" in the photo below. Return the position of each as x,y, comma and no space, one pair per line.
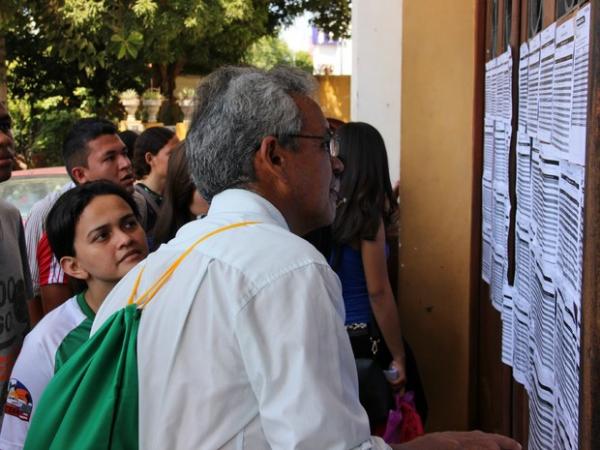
435,197
334,96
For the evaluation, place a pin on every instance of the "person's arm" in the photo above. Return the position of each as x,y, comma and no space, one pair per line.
33,233
382,300
30,376
54,295
299,362
54,288
460,440
34,307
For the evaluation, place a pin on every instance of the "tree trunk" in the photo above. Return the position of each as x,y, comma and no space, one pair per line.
170,112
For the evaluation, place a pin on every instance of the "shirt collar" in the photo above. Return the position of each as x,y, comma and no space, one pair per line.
250,204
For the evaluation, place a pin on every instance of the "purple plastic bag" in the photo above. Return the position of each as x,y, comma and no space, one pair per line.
404,423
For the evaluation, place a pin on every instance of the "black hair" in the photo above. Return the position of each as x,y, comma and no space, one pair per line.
179,190
75,149
129,137
364,184
151,140
64,215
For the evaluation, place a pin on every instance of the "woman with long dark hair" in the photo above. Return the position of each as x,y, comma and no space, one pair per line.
367,214
182,202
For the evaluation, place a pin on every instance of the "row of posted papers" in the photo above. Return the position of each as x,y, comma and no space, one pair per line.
541,311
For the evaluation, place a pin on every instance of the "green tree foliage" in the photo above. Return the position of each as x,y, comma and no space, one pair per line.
270,51
55,47
104,35
303,60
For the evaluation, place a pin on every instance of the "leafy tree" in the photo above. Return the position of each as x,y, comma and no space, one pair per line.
55,47
270,51
6,16
303,60
171,35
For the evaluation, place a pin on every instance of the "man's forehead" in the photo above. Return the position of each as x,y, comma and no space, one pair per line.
105,143
312,113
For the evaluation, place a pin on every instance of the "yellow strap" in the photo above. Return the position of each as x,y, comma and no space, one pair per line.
135,287
149,294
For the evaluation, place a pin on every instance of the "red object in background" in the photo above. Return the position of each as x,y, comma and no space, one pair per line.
404,423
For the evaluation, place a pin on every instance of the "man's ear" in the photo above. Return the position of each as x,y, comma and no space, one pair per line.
71,267
270,159
79,174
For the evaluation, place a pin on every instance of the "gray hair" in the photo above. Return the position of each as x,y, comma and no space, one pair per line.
237,107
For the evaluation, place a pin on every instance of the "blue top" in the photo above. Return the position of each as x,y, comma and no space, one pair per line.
349,268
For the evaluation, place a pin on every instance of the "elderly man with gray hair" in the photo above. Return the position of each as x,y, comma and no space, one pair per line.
243,346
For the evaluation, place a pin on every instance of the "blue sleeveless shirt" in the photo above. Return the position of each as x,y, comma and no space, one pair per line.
349,268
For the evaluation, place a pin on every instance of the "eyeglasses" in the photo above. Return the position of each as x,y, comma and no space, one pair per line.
328,143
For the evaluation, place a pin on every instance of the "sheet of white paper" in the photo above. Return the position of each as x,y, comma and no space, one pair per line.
533,78
580,86
568,346
541,411
537,200
489,88
488,149
523,80
486,211
570,224
504,87
562,89
542,314
548,222
486,253
545,85
498,276
508,293
500,218
521,352
502,134
523,184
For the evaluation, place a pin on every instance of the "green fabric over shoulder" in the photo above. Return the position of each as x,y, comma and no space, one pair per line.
92,401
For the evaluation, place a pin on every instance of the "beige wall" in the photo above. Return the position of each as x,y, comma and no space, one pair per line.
436,187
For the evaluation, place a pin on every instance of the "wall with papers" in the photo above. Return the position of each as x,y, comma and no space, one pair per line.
540,308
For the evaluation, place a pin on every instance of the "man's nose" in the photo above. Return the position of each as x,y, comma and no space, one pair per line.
124,162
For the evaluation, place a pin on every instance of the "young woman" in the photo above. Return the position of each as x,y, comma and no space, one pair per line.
94,232
151,153
182,202
368,213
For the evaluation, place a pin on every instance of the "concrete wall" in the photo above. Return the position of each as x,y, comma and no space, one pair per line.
438,47
376,70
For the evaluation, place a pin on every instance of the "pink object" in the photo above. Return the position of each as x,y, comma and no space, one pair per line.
404,423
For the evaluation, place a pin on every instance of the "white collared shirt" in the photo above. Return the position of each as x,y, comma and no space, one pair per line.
245,346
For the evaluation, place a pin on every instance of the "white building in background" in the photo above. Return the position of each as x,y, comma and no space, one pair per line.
376,95
327,54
